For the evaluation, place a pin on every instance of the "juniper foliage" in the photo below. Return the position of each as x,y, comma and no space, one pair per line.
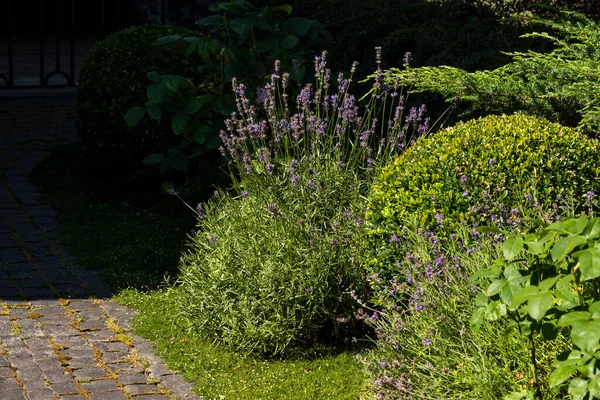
561,85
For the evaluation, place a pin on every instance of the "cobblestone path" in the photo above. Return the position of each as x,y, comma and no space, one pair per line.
60,338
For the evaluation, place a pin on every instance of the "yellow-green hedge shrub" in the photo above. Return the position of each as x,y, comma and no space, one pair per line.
507,156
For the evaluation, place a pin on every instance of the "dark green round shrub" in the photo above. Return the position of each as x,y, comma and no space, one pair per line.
113,79
497,169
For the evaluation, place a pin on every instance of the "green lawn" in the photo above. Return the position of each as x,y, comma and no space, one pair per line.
134,240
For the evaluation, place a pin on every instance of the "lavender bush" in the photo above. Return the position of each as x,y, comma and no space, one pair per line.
272,264
425,347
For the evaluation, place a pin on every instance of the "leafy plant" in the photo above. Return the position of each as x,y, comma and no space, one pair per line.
500,169
240,41
546,281
273,264
424,348
561,85
113,78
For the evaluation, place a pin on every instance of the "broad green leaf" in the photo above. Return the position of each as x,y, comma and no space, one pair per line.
153,159
496,287
154,110
512,247
493,272
481,300
212,20
192,106
156,92
538,305
265,46
286,8
567,298
594,386
589,263
548,283
134,115
495,310
179,122
201,134
555,226
592,229
565,245
180,162
586,335
154,76
507,292
525,327
477,319
512,273
213,142
290,42
574,317
255,67
575,225
578,389
167,40
296,26
241,26
594,309
561,374
523,295
523,395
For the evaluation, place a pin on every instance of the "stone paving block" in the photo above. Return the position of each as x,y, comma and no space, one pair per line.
12,394
18,312
44,394
49,364
156,370
73,341
3,361
72,397
64,388
125,368
100,385
99,336
153,397
91,314
58,376
177,384
82,362
6,372
55,319
115,356
51,310
33,282
37,384
90,373
78,305
112,347
112,395
30,373
141,389
58,332
92,325
132,379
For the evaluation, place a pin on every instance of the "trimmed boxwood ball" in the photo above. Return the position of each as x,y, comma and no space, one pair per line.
480,171
113,79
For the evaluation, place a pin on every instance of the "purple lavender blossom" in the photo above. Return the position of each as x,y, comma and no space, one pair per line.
426,342
212,240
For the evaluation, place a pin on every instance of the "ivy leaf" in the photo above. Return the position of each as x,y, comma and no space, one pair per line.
561,374
134,115
290,42
512,246
548,283
179,123
538,305
589,263
576,226
565,245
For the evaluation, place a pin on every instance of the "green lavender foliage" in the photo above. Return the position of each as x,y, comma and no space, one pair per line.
561,85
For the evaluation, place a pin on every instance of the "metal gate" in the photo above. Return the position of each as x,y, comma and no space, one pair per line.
43,42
